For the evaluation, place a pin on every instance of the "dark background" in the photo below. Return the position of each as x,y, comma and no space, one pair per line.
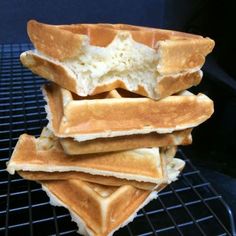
214,142
155,13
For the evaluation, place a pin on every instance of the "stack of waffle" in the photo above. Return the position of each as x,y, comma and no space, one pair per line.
117,110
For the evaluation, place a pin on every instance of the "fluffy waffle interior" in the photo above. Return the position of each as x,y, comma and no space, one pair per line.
123,60
101,57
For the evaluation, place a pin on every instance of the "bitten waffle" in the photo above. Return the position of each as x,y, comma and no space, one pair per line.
88,59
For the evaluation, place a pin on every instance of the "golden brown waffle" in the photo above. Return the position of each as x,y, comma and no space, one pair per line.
53,40
72,147
120,113
139,165
174,166
100,57
98,210
129,142
101,210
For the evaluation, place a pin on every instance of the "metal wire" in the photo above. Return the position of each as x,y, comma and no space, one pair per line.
190,206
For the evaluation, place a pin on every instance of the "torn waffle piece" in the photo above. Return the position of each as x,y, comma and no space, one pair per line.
89,59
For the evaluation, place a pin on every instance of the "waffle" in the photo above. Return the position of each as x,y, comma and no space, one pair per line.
174,164
100,57
120,113
98,209
138,165
72,147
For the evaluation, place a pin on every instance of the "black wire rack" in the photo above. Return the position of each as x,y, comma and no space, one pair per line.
189,206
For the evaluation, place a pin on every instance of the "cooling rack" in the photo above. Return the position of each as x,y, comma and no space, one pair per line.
189,206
